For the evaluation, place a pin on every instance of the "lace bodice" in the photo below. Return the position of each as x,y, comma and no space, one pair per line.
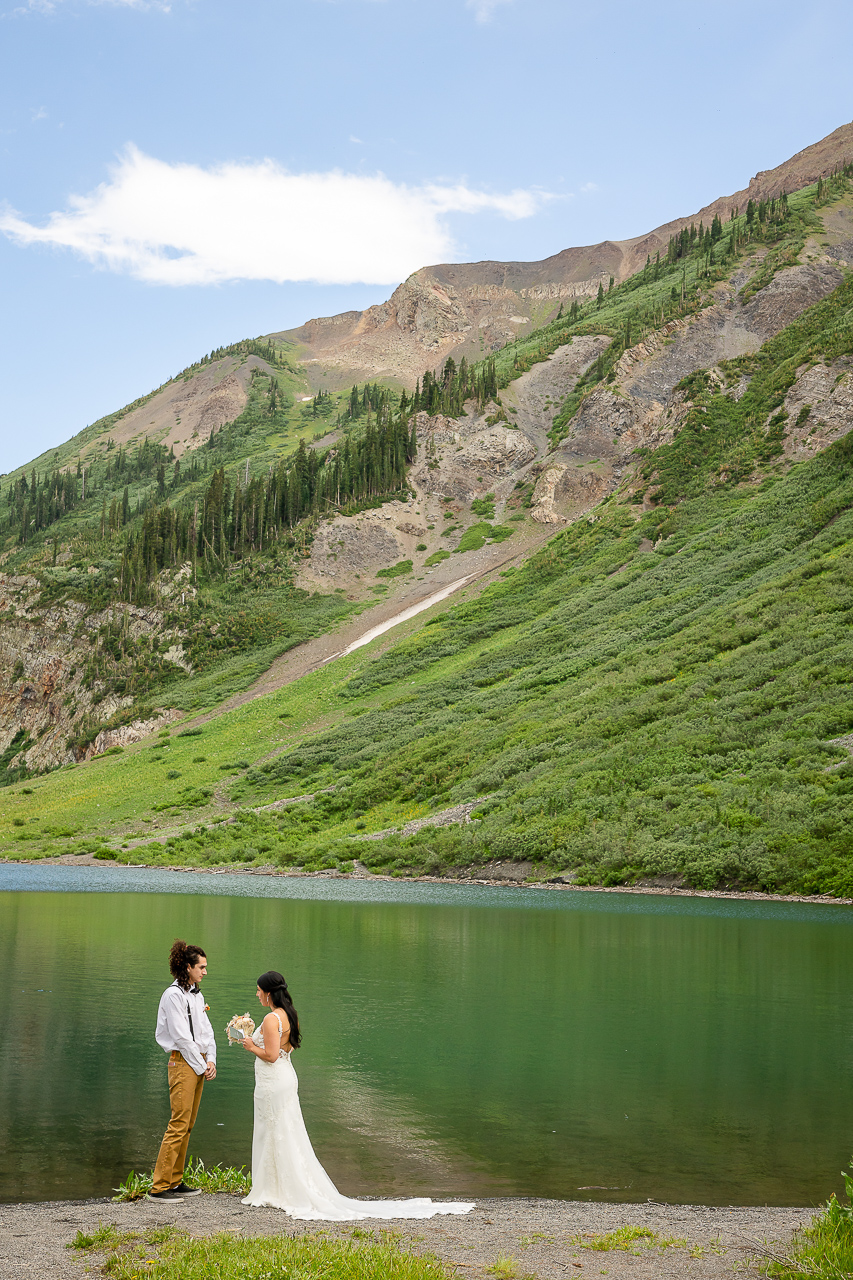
258,1036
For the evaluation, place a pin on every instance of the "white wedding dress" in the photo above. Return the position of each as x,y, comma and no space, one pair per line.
286,1173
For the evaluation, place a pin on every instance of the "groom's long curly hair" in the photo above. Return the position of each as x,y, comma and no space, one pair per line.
276,988
181,957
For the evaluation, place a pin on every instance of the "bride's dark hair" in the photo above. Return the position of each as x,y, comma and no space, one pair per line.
276,988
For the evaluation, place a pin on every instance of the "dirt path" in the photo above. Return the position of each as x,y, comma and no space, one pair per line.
544,1238
394,610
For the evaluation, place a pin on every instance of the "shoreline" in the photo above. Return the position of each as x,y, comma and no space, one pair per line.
504,882
547,1238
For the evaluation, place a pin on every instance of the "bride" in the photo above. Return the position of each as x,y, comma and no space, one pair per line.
286,1173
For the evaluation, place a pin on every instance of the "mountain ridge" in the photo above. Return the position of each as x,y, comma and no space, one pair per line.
472,308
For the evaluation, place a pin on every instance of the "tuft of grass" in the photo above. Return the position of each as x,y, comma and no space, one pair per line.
103,1237
504,1267
627,1238
213,1180
217,1178
484,506
134,1187
824,1249
476,536
396,570
167,1254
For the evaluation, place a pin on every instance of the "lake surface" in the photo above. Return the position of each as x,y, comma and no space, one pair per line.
458,1040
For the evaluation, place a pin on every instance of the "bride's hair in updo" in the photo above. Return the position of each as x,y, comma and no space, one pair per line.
276,988
181,957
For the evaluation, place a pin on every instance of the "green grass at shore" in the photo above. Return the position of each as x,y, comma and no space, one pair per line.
168,1254
824,1249
196,1174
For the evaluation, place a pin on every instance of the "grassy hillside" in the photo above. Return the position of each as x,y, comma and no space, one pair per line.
110,524
654,693
622,712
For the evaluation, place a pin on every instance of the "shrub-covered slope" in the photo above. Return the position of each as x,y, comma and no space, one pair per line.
627,713
655,693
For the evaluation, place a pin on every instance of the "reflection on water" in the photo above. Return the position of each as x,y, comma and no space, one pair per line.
458,1040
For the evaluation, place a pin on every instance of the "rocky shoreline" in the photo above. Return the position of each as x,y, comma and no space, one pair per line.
546,1239
504,879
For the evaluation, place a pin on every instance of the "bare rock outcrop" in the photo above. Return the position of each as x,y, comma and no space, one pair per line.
819,407
651,369
602,420
45,651
577,489
467,457
544,497
223,404
346,547
125,735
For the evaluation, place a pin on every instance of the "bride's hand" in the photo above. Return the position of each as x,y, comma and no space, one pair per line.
247,1044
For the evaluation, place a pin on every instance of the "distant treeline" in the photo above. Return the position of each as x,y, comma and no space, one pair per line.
235,518
263,348
37,503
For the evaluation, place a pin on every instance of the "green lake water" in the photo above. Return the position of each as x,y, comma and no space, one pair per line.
458,1040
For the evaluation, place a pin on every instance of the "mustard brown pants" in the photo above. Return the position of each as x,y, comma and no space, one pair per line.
184,1095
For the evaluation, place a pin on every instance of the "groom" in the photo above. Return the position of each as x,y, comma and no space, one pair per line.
184,1031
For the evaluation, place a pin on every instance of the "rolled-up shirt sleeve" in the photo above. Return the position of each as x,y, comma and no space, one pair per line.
207,1041
173,1029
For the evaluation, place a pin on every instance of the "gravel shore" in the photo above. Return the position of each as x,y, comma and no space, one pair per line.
544,1237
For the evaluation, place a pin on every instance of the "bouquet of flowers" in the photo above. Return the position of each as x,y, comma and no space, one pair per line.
239,1027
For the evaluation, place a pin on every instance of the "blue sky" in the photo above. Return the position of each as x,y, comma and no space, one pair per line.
178,175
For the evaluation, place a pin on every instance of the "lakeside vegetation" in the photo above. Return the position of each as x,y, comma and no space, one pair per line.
168,1253
824,1249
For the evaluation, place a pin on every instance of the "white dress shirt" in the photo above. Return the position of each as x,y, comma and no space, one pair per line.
173,1027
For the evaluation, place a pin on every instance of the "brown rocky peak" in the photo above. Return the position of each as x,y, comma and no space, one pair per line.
473,308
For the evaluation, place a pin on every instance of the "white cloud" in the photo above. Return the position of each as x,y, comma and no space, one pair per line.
179,224
484,10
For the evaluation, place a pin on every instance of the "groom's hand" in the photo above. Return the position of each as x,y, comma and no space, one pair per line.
210,1071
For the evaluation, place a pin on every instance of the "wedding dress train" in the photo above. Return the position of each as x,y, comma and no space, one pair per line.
286,1173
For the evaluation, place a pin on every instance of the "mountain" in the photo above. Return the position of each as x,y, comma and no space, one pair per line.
641,513
473,308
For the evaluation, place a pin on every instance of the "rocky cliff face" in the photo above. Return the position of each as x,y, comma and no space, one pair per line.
48,685
471,309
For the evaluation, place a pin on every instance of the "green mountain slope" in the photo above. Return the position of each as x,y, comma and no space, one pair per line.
654,693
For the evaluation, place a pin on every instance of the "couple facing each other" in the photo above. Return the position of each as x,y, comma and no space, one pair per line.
286,1173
